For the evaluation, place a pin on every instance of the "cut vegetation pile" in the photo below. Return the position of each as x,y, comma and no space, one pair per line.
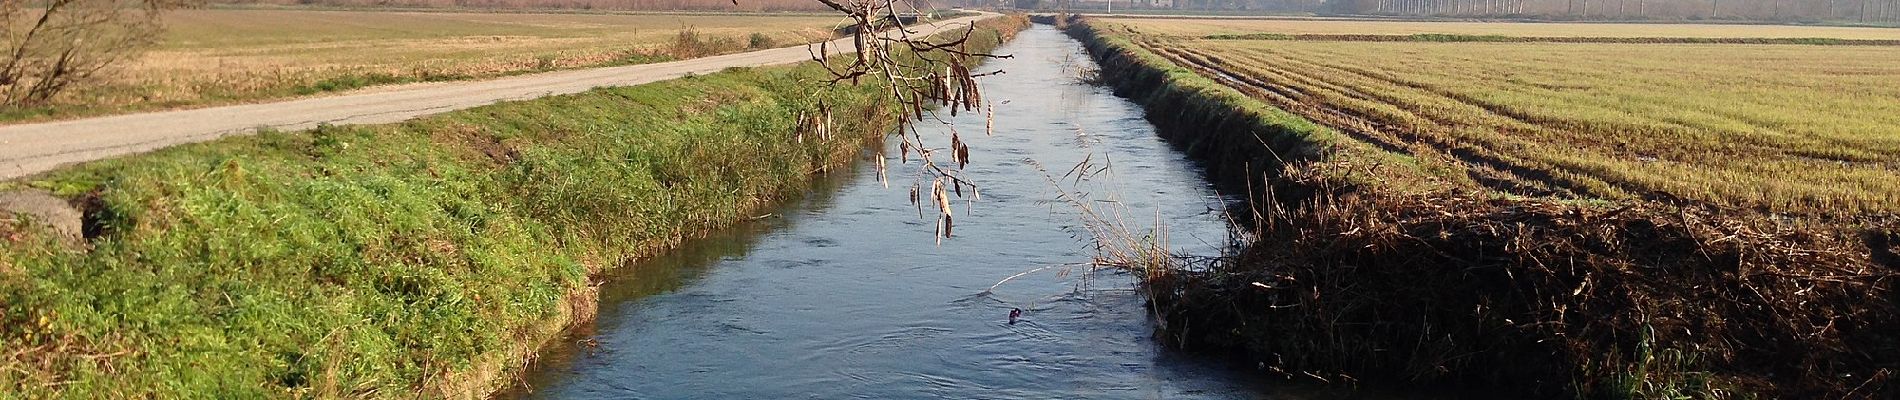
1478,215
427,259
1550,298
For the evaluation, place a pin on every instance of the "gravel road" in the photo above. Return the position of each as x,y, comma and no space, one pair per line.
27,149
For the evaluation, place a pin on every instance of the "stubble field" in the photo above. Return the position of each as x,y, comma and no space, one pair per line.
1201,27
1785,128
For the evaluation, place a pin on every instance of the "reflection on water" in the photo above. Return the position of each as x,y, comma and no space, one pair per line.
846,294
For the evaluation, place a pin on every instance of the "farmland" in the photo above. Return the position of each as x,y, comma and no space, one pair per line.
224,56
1786,128
424,259
1642,218
1230,26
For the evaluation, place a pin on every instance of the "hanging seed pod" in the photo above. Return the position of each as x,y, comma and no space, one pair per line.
989,120
976,95
914,188
903,150
942,83
951,103
947,224
963,156
942,195
917,108
954,142
967,86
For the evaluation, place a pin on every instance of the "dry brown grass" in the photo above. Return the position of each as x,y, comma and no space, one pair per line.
211,57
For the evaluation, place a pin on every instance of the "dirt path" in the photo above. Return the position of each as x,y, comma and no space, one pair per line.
33,148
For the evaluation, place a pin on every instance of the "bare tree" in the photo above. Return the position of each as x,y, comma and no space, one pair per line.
52,45
921,73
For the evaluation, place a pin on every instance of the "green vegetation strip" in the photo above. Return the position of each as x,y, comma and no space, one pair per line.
428,258
372,259
1459,38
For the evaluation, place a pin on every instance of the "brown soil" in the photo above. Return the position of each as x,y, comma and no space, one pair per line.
41,208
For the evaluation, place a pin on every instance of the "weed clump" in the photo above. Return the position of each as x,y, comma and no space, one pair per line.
347,82
690,43
759,40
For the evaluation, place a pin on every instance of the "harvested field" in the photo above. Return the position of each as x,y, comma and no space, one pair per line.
211,57
1542,220
1786,128
1211,26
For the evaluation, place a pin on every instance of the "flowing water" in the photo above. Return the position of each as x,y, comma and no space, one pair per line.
846,293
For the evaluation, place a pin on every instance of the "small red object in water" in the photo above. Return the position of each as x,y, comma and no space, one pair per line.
1013,314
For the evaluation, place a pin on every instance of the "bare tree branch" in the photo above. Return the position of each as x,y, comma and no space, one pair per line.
922,74
56,44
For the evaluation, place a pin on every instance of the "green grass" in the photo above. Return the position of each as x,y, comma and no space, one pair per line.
1250,36
422,259
1445,37
348,82
381,260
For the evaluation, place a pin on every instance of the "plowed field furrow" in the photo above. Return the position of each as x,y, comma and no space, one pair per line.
1779,127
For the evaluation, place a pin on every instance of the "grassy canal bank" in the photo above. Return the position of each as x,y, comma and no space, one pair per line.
429,258
1375,261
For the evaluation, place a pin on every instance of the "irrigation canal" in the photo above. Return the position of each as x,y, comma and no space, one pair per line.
845,293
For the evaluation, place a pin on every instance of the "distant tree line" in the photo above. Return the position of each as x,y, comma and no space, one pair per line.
1756,10
614,5
1211,5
